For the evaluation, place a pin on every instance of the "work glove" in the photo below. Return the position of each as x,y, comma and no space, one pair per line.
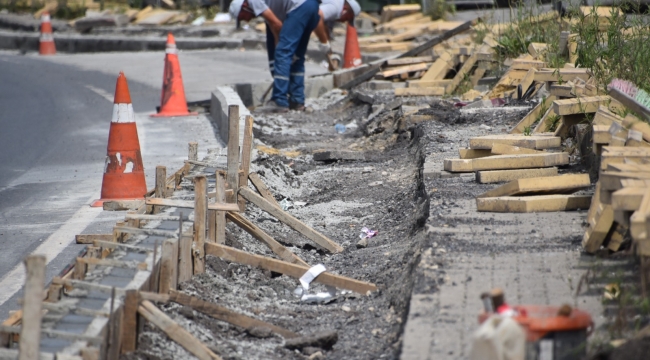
325,47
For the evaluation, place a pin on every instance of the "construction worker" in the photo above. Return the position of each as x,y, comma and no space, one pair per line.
289,24
330,11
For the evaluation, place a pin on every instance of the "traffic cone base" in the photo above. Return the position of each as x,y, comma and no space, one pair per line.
352,53
172,100
46,43
123,170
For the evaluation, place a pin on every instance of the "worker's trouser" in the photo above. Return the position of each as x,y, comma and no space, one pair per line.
287,59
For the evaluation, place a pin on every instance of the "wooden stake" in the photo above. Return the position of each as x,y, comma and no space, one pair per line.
248,226
129,322
262,188
168,266
224,314
185,268
175,331
30,332
193,151
111,325
200,218
153,280
220,218
161,185
283,267
288,219
233,148
246,158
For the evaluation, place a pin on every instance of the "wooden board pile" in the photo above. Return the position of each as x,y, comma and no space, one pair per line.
622,198
180,255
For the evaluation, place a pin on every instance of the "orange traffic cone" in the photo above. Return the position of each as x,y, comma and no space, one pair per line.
46,44
352,54
123,171
172,101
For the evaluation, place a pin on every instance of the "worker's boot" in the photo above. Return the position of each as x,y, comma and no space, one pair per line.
296,106
272,107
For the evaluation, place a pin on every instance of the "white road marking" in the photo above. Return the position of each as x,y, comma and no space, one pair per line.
101,92
13,281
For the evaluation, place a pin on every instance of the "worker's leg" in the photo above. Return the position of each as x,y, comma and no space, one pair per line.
296,24
297,73
270,48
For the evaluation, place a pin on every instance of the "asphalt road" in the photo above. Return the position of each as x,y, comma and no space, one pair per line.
55,116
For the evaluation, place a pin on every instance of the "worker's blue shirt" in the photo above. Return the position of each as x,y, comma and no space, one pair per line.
280,8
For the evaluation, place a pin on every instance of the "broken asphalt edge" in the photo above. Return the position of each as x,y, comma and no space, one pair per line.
75,43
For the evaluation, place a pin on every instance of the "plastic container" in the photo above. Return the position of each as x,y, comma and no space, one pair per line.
551,336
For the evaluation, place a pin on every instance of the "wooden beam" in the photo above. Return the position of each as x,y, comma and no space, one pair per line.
89,238
503,149
248,226
185,264
220,216
30,330
535,114
291,221
128,332
190,204
404,69
587,104
161,185
628,198
640,223
439,68
460,75
465,153
261,188
246,158
168,266
200,220
560,184
233,149
138,231
382,47
564,74
529,204
496,176
177,333
506,162
433,91
409,60
283,267
530,142
223,314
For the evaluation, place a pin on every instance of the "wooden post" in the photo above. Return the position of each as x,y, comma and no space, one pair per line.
233,149
129,322
200,219
161,185
184,254
168,266
79,270
212,226
220,220
30,332
193,151
246,158
111,324
54,293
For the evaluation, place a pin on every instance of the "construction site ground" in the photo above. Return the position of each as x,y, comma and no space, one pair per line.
432,258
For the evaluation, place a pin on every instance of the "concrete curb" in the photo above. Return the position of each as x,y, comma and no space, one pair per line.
222,97
75,43
251,94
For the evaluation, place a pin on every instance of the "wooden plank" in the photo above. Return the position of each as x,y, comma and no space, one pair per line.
605,117
246,158
13,319
128,331
190,204
177,333
383,47
596,233
496,176
460,76
90,238
404,69
138,231
535,114
291,221
564,90
30,330
527,81
561,184
628,198
168,266
565,74
503,149
530,204
233,149
633,123
220,216
434,91
522,64
530,142
289,269
640,223
439,68
615,180
224,314
465,153
248,226
505,162
588,104
428,84
261,188
200,220
629,102
185,264
617,237
537,50
409,60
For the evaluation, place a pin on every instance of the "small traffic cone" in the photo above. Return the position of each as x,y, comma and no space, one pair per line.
46,43
172,101
352,54
123,171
